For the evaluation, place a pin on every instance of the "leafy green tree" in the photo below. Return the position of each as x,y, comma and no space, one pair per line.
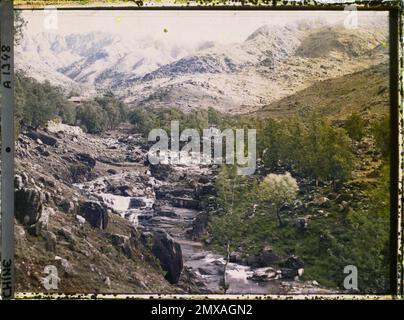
277,190
355,126
91,117
326,152
381,132
36,103
368,230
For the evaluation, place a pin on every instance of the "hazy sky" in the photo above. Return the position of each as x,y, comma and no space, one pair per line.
223,27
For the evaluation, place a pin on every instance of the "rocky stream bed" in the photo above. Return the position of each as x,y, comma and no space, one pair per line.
168,205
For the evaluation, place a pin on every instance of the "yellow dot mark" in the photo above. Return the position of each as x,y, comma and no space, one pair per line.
384,44
118,19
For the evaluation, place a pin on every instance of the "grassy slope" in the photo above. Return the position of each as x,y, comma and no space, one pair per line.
321,245
365,92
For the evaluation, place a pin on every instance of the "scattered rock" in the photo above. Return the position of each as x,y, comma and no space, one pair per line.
343,206
51,241
118,239
67,206
41,137
323,202
301,224
86,158
67,234
107,282
332,196
42,151
294,262
95,214
80,219
263,274
20,235
112,171
18,182
28,206
169,254
344,197
136,203
65,265
265,258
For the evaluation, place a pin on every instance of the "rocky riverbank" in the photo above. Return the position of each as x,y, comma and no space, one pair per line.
114,223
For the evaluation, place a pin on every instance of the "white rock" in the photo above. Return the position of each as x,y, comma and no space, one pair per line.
107,281
80,219
300,272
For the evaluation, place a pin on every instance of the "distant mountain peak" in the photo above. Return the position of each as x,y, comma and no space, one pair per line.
271,31
146,72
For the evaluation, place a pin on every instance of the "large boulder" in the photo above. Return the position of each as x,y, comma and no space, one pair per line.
136,203
169,253
294,262
87,159
200,224
95,214
44,138
293,267
265,258
263,274
289,274
28,206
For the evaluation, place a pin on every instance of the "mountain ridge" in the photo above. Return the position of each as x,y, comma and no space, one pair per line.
271,63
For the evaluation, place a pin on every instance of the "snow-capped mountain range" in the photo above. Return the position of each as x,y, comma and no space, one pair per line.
271,63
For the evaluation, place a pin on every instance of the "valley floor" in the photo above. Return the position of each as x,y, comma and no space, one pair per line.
63,168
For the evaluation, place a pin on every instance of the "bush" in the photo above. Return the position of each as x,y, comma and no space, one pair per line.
355,127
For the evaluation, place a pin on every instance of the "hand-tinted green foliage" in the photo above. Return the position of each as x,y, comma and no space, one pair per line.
146,120
277,189
381,133
359,237
37,103
102,113
355,127
236,196
369,230
308,146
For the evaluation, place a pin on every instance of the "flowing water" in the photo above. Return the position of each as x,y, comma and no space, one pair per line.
206,266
